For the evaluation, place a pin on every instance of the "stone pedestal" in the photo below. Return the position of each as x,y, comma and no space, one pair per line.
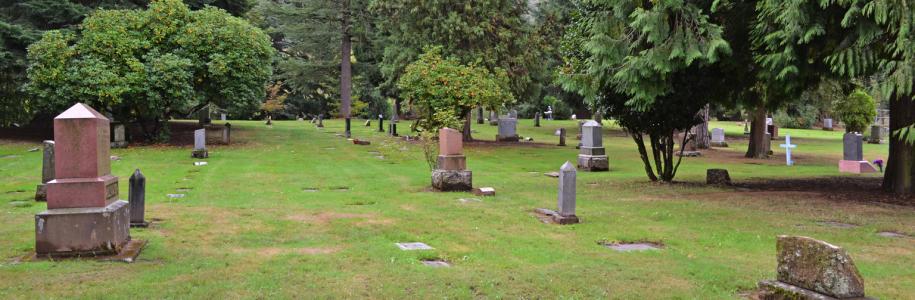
452,162
593,163
84,215
452,180
592,156
87,231
856,167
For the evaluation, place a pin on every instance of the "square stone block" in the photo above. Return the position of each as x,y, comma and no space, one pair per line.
593,163
594,151
452,180
200,154
82,231
82,192
513,138
452,162
856,167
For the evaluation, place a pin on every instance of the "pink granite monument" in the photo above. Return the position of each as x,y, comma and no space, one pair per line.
84,215
450,173
853,155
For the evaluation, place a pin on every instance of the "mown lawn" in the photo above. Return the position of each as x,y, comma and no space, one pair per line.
251,225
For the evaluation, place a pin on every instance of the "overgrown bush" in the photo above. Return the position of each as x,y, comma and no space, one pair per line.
857,111
797,116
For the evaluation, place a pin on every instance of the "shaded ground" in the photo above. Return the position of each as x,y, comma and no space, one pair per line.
854,189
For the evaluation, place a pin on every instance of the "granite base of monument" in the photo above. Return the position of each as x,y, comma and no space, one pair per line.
513,138
593,163
452,162
552,217
452,180
119,144
82,231
856,167
200,154
719,144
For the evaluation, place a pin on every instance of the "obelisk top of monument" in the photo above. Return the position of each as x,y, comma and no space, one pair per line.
81,111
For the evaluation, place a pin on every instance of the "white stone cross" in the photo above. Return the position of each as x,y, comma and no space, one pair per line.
788,146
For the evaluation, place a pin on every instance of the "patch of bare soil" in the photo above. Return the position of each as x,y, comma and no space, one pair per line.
838,189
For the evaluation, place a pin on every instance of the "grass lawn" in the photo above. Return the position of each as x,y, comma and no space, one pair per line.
251,225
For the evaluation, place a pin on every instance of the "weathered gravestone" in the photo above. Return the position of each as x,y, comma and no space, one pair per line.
84,215
876,136
578,136
47,171
717,177
507,129
812,269
566,203
320,121
368,123
380,123
200,144
451,172
773,130
562,136
537,119
119,136
227,134
853,155
137,198
827,124
592,155
718,138
493,118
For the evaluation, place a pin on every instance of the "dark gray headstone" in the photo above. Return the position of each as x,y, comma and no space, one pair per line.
137,199
562,136
118,136
47,171
567,174
508,126
852,146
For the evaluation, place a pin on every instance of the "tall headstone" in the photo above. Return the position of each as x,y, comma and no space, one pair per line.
566,212
562,136
84,215
227,134
320,121
592,155
200,144
451,172
718,138
137,199
480,115
380,123
827,124
812,269
537,119
876,136
493,118
119,136
47,171
507,129
853,155
392,127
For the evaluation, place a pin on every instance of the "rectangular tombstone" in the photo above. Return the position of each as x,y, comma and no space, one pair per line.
137,199
567,174
227,134
200,139
119,137
876,136
827,124
47,162
852,146
450,142
717,135
507,129
591,135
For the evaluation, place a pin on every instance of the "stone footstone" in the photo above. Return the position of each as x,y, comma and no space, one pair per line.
717,176
413,246
632,247
812,269
436,263
484,191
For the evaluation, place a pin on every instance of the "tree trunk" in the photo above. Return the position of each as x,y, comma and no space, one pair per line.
703,140
899,166
480,115
346,70
757,146
643,154
467,121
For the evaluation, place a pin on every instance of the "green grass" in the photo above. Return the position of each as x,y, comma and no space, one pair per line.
248,228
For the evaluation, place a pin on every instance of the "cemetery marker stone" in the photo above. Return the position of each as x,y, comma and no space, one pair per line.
47,171
84,215
200,144
876,136
137,199
562,136
592,155
827,124
507,129
853,155
119,138
812,269
566,203
718,138
451,172
227,134
380,123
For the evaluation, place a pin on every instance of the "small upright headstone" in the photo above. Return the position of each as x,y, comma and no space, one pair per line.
812,269
876,136
853,155
827,124
451,172
380,123
718,138
513,114
200,144
773,130
321,121
507,129
537,119
562,136
119,136
368,123
47,171
137,199
580,125
592,155
227,134
269,121
566,212
223,117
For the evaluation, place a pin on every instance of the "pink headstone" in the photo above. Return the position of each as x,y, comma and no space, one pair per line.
450,142
82,162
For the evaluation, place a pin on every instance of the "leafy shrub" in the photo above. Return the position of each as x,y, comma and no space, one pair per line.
856,111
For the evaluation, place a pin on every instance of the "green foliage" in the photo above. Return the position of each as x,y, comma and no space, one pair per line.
148,65
443,91
857,111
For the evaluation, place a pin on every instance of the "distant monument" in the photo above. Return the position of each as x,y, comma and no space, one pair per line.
508,127
200,144
451,172
47,171
592,155
84,216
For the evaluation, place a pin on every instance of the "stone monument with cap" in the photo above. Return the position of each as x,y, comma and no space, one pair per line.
592,155
853,155
451,172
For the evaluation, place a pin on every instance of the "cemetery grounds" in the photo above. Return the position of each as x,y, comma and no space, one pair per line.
294,211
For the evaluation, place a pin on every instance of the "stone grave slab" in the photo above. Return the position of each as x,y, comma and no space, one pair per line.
414,246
